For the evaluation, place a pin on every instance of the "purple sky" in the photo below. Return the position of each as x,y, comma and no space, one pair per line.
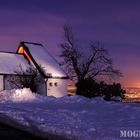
115,23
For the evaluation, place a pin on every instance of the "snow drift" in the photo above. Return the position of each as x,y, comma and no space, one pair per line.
74,117
17,95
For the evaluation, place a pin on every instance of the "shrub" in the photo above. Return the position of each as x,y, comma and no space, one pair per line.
113,90
90,88
29,78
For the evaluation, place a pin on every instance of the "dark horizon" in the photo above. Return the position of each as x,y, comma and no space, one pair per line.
115,23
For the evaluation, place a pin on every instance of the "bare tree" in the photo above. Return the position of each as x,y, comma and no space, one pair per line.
29,78
93,62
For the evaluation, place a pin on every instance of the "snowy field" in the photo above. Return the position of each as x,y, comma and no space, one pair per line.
75,117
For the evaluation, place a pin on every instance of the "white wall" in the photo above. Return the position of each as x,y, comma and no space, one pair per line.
1,82
57,87
8,84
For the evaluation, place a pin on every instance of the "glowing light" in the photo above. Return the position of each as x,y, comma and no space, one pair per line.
132,94
22,51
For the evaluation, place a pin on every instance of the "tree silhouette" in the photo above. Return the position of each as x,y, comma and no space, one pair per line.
93,62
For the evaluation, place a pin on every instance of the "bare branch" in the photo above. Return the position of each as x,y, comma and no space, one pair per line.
88,64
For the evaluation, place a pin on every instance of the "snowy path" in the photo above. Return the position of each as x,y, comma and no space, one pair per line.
74,117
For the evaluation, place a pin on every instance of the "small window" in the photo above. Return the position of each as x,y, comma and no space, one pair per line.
56,84
50,84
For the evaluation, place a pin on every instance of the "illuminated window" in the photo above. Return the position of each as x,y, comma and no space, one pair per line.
20,50
56,84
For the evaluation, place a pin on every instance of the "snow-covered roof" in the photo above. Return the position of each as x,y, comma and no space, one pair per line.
44,59
11,62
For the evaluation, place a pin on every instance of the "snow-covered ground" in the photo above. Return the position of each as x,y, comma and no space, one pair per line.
74,117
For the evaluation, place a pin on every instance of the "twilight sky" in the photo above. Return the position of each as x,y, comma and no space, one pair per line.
114,22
